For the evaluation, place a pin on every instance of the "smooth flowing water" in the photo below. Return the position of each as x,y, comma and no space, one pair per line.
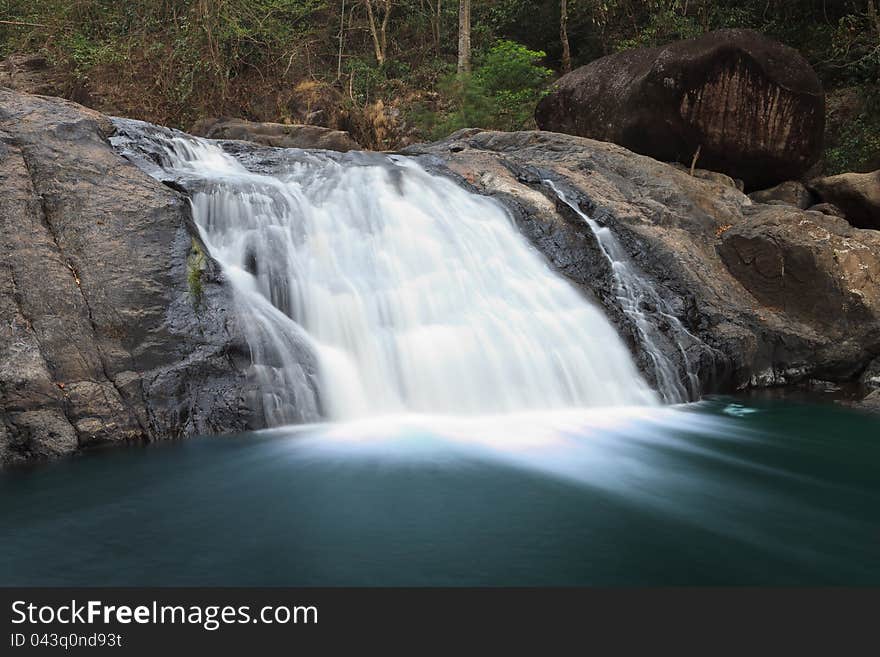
721,492
415,295
488,424
655,329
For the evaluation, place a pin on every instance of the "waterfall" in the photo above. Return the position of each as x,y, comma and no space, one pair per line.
634,293
413,294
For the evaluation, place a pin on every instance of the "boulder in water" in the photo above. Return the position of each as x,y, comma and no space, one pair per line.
819,271
753,107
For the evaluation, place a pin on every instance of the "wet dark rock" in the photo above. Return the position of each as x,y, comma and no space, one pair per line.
871,375
753,107
101,338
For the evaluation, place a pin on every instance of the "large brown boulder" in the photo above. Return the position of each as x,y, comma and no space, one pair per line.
278,135
753,107
102,337
857,194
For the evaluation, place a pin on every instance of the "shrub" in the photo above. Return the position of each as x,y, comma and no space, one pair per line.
857,146
500,94
195,267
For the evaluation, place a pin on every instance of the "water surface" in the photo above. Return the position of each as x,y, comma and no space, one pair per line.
722,492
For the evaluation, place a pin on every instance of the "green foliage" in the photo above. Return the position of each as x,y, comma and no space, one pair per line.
85,53
854,50
500,94
666,22
173,61
510,67
195,268
858,143
366,79
431,73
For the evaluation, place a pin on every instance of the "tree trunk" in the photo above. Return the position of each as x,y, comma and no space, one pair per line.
435,27
374,32
383,32
874,16
464,36
563,36
341,41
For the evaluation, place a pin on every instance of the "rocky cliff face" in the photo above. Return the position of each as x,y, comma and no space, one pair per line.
774,294
102,337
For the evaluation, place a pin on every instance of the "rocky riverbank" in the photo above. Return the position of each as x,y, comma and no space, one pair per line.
116,325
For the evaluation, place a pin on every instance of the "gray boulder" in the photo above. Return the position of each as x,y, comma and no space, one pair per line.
713,176
102,339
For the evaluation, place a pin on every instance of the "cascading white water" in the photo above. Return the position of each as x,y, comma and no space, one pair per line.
415,294
633,292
